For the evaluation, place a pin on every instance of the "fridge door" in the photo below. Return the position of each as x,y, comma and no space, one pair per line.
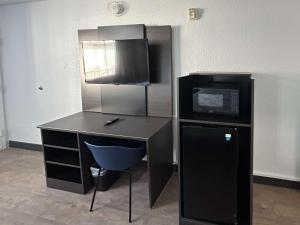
209,169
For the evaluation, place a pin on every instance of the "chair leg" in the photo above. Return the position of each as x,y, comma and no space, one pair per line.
130,183
94,195
130,191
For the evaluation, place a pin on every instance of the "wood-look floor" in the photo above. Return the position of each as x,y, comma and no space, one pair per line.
25,199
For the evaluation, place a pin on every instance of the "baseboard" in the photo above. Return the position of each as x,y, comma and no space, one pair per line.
256,179
276,182
24,145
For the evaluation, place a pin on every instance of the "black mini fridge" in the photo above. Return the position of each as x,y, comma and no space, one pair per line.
209,159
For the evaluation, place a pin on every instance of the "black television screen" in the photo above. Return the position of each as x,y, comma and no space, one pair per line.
116,62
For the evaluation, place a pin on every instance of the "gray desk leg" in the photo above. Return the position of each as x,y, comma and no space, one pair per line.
160,161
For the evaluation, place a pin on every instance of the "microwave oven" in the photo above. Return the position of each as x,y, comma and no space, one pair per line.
216,97
216,100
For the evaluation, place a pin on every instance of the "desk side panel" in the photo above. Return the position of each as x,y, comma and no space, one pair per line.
160,161
86,161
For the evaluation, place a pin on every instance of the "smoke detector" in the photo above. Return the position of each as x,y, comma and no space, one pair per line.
117,8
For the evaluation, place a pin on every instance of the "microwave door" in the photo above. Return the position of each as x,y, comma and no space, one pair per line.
216,101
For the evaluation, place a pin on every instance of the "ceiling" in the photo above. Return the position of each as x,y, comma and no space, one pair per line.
9,2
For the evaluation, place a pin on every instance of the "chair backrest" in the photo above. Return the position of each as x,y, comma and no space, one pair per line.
116,157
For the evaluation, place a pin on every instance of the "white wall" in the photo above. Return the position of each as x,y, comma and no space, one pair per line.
39,42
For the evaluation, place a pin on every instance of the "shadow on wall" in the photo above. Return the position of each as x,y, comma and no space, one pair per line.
3,143
176,67
297,154
265,126
290,123
276,125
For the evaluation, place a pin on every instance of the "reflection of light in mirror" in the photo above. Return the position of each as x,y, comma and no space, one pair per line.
99,59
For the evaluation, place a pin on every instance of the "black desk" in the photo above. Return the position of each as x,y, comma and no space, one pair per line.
67,159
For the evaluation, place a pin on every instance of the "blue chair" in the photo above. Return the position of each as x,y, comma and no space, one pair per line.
117,158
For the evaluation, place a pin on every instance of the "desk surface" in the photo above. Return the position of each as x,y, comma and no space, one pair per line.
133,127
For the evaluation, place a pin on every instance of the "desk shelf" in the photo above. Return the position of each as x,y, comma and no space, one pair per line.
62,156
63,162
58,138
61,147
65,173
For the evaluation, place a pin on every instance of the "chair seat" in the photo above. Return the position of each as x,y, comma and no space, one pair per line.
117,157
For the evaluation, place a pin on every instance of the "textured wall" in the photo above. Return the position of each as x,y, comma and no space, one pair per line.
39,44
8,2
2,117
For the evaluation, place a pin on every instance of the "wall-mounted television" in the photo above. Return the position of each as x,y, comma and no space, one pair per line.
116,62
